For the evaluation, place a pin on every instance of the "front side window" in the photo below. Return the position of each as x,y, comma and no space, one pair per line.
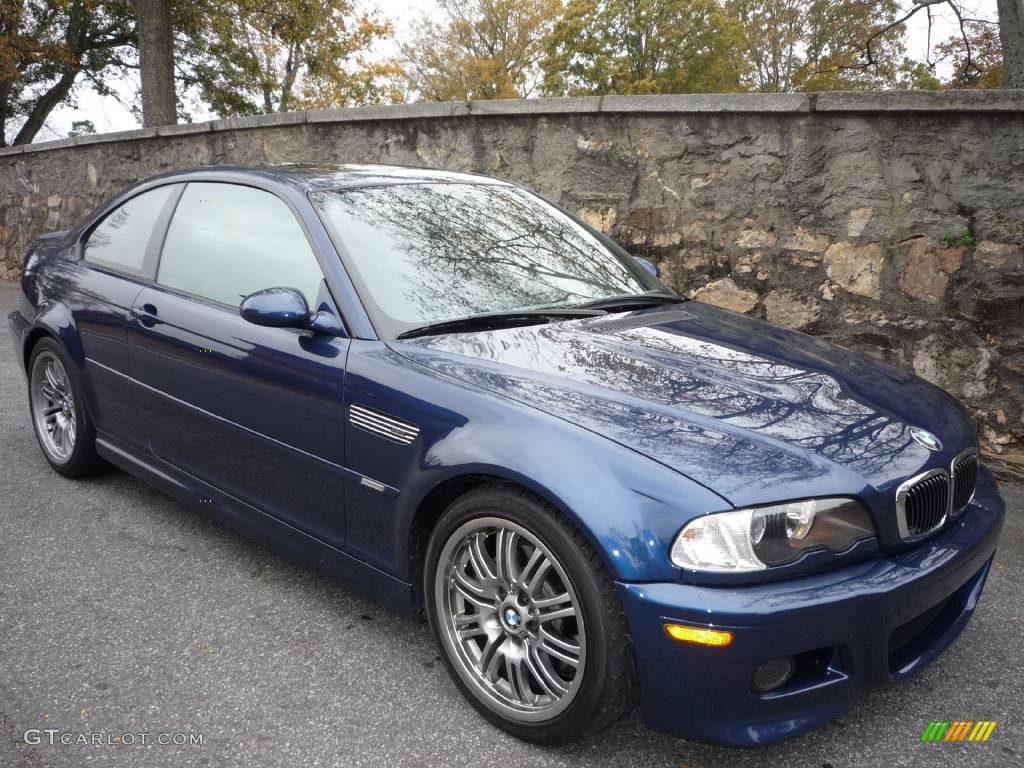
425,253
227,241
121,239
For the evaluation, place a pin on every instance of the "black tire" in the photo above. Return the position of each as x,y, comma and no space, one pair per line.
83,459
609,687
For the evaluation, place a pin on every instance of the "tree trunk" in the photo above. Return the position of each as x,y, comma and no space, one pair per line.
44,105
156,61
10,26
1011,33
5,97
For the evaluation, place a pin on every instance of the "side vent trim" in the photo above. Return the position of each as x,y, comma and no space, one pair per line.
377,423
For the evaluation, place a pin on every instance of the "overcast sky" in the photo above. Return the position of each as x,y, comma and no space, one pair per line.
109,113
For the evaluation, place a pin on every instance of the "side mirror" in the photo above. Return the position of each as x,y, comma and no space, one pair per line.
275,308
287,308
649,265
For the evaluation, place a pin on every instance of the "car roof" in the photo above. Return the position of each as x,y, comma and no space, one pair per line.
317,176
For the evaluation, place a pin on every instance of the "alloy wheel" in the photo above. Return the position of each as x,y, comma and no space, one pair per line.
53,407
510,619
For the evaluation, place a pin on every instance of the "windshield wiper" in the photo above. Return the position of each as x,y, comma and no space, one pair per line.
488,320
631,300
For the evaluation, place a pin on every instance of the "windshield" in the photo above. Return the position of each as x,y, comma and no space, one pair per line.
425,253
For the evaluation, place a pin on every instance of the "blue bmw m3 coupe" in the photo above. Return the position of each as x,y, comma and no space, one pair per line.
459,399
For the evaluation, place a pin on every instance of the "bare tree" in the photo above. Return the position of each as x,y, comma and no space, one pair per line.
1011,33
156,61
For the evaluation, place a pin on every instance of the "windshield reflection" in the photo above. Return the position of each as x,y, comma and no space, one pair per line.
424,253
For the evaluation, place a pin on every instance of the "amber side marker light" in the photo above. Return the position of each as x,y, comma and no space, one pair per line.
718,638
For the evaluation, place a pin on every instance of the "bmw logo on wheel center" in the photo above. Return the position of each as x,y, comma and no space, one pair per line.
928,439
512,617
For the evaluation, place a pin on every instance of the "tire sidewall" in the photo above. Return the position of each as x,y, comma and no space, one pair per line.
519,509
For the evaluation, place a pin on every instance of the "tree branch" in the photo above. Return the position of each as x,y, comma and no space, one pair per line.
868,55
968,61
918,5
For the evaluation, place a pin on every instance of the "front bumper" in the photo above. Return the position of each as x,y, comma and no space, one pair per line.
857,627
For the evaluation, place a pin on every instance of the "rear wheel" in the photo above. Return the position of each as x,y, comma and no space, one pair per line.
526,617
61,423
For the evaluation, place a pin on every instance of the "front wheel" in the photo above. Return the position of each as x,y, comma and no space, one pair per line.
527,619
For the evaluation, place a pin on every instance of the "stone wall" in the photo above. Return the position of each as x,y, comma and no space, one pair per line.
890,223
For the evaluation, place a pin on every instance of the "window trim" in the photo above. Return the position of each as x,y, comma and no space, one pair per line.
150,259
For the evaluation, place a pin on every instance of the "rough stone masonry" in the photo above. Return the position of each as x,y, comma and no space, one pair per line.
891,223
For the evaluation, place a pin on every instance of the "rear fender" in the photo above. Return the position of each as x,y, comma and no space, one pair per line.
55,320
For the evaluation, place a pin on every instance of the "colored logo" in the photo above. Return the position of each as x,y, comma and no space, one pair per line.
928,439
958,730
511,617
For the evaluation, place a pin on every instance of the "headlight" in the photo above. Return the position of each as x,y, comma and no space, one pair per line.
754,539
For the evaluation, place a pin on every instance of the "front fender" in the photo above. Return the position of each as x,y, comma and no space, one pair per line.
629,511
628,506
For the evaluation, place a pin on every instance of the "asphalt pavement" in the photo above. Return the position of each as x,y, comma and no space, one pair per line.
123,612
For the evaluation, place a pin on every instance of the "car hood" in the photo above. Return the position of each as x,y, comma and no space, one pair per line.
750,410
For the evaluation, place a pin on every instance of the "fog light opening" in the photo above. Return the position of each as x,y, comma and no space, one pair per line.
773,674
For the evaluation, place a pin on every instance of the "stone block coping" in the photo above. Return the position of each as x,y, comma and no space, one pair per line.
840,102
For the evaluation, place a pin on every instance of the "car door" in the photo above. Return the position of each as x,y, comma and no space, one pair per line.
254,411
119,256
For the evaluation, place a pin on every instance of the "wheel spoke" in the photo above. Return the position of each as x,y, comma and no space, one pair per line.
463,580
479,558
490,659
505,560
531,564
51,378
560,613
470,625
517,681
553,602
545,677
471,596
539,576
561,649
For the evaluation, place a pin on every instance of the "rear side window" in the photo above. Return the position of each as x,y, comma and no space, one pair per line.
121,239
227,241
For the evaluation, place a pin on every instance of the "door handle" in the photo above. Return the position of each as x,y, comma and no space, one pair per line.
146,314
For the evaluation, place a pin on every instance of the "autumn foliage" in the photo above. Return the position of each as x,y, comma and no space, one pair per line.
242,57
